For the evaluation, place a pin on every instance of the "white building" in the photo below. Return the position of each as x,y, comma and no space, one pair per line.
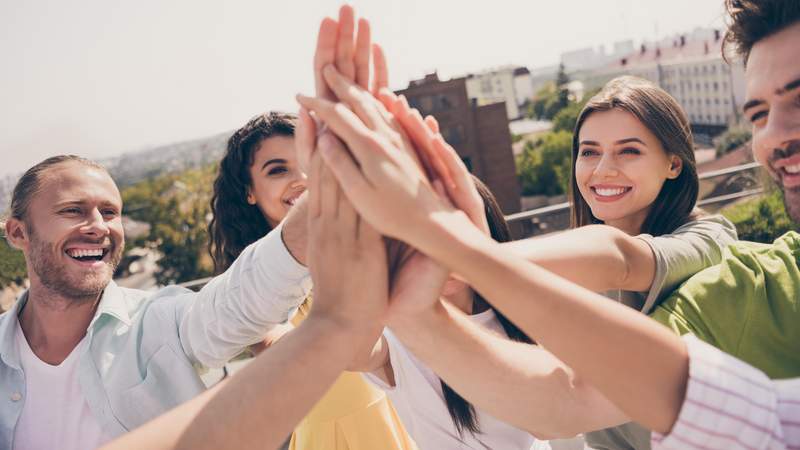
692,70
509,84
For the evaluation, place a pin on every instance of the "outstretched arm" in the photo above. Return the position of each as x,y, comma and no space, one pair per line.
617,350
260,405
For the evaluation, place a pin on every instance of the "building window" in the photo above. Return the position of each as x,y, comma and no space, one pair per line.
716,86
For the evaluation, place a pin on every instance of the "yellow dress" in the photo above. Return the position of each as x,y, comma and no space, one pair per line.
352,415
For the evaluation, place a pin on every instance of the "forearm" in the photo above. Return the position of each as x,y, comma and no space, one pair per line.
259,406
597,257
502,377
617,350
240,306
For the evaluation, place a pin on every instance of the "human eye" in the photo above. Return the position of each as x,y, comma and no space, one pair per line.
587,152
110,212
759,117
277,170
70,210
630,151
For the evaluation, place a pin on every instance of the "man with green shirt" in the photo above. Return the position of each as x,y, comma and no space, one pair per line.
749,304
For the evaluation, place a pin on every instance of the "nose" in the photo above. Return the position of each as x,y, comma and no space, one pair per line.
606,167
96,225
300,181
782,128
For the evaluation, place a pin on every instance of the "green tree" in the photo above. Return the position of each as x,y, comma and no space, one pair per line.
566,118
562,88
544,165
732,139
177,208
12,265
761,219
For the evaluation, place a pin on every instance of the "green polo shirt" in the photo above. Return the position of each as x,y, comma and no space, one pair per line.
748,306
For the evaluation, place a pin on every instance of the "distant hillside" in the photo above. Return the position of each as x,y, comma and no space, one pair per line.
132,167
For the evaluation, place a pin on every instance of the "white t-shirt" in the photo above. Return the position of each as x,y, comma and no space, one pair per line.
418,398
55,413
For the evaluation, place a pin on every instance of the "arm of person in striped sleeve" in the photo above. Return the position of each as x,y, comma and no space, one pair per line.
730,404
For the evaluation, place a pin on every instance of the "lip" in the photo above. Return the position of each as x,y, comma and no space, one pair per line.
612,198
91,263
789,180
290,199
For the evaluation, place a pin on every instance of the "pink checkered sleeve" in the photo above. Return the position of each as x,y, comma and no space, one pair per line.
731,405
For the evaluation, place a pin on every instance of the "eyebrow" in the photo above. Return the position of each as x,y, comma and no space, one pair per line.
273,161
619,142
790,86
66,203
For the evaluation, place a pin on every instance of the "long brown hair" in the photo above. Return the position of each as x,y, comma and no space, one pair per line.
235,224
665,118
461,411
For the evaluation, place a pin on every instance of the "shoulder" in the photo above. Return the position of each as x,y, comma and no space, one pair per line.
163,303
716,227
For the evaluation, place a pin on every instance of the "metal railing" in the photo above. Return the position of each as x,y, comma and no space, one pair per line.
559,207
199,283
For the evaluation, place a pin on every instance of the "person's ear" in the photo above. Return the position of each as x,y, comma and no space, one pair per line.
675,167
16,234
251,199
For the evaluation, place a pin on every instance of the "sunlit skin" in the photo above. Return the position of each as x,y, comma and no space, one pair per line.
72,238
620,168
277,180
773,107
77,210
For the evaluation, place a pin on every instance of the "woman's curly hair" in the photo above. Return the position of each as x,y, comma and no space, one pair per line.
236,223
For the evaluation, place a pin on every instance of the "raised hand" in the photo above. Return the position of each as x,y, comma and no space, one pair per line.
349,50
347,257
387,195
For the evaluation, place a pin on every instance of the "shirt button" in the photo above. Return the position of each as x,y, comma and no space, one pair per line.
16,396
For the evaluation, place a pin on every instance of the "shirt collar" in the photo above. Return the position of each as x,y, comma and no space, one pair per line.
112,303
8,328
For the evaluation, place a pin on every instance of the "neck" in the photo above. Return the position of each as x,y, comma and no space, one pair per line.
53,324
632,224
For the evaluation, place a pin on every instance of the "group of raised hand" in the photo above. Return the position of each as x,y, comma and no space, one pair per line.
381,177
376,167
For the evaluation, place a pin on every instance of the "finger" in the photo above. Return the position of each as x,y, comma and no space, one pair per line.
305,138
432,123
438,186
329,188
421,136
361,141
387,99
314,207
381,69
363,50
352,181
359,100
458,174
344,42
325,54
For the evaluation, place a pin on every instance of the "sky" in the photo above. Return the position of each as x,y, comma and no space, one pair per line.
103,77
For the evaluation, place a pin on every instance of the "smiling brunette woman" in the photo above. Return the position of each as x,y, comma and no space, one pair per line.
259,181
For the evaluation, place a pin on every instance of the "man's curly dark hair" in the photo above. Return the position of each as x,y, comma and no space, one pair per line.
750,21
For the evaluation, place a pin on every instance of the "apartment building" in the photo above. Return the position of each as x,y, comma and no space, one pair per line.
479,133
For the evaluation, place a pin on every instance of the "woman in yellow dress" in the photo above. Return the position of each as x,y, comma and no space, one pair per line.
258,182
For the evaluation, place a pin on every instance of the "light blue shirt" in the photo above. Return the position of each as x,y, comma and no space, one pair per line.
144,346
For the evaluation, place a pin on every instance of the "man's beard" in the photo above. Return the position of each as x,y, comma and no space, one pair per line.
791,196
55,276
